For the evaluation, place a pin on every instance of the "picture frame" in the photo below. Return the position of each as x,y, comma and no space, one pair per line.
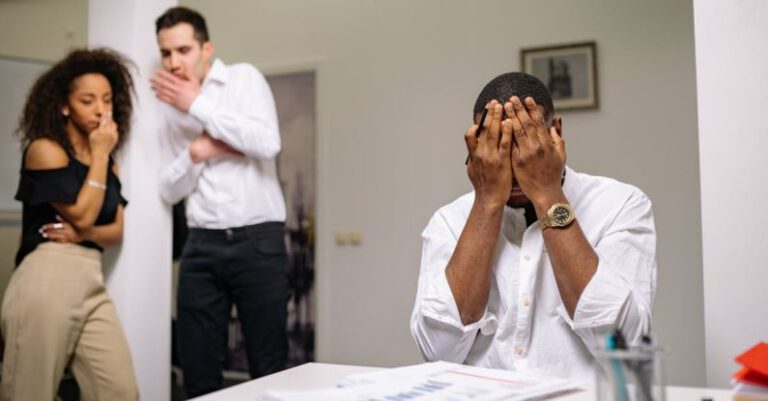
568,70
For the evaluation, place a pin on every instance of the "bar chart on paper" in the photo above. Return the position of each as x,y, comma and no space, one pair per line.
431,382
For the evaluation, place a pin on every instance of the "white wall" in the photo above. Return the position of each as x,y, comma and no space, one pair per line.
139,270
42,29
396,83
731,59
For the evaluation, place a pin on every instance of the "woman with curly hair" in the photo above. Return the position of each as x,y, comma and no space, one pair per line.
56,312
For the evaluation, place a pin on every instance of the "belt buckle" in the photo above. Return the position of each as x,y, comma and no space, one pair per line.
229,233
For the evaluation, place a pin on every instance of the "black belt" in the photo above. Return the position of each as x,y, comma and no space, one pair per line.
266,229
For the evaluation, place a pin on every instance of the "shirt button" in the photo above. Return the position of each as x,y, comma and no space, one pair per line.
526,258
519,351
526,301
488,328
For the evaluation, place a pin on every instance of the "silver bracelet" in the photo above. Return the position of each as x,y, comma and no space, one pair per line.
96,184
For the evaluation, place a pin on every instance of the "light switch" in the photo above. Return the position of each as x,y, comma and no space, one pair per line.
355,237
341,239
344,238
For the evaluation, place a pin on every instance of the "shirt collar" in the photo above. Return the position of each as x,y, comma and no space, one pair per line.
217,73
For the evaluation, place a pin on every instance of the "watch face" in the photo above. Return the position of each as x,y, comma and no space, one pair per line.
560,215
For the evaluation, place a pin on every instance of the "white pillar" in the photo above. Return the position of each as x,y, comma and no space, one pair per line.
731,55
139,273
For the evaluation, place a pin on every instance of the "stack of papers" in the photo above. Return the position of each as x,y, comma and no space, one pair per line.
434,381
751,381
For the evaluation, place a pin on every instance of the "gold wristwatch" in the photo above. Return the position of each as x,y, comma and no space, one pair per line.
560,215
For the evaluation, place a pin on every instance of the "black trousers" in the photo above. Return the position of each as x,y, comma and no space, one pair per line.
246,266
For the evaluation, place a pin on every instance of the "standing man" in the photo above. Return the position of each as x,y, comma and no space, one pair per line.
221,140
532,269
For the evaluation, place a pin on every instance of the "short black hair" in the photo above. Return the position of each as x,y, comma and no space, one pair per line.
176,15
517,84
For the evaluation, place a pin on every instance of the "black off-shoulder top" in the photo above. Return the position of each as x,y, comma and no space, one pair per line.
39,188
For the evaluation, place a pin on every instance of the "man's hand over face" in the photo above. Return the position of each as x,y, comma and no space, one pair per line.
489,166
178,92
538,156
205,148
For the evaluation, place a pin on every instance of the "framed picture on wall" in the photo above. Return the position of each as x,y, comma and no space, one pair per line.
569,71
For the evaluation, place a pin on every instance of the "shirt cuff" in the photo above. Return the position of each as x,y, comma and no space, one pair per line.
183,165
600,302
202,108
439,305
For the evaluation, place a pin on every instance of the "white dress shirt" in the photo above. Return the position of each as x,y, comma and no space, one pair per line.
235,106
525,325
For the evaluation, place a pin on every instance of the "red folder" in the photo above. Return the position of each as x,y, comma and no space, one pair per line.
755,365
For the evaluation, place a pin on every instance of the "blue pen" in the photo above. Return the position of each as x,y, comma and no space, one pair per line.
614,342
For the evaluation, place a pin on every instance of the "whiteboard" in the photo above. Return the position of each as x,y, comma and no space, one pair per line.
16,79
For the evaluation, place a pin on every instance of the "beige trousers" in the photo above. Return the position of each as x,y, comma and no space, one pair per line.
56,313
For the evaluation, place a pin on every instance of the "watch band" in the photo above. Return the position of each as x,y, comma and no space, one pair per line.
559,215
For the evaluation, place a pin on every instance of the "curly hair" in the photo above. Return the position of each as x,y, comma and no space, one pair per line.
42,117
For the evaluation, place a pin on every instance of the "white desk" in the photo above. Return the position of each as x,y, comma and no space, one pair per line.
313,376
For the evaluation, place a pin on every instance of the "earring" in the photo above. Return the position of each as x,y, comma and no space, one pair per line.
65,113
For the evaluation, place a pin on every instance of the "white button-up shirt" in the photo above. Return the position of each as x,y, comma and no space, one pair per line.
525,325
235,106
